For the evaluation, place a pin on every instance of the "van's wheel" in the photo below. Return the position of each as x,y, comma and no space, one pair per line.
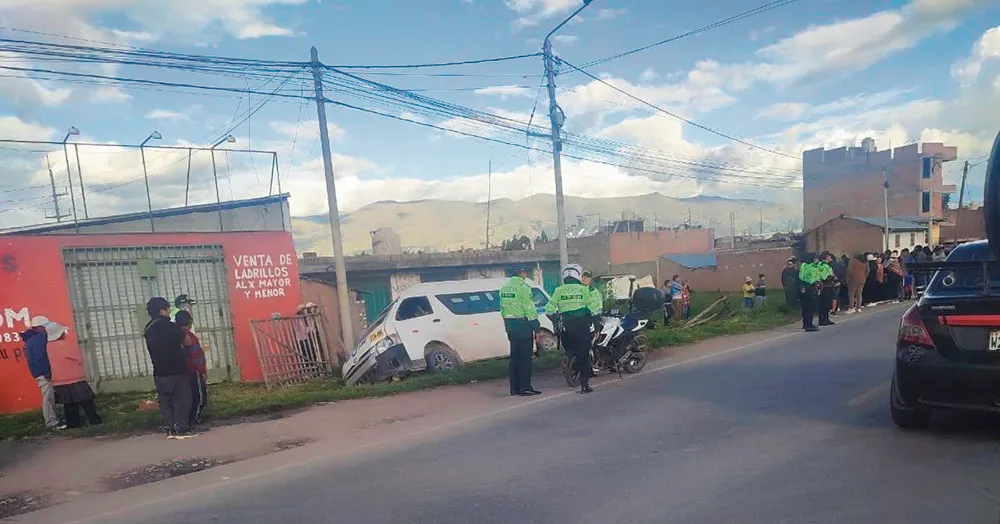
547,343
441,358
914,418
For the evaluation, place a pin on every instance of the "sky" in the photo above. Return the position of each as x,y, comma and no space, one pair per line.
814,73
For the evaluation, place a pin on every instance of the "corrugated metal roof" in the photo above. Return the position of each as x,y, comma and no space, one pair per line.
895,224
694,260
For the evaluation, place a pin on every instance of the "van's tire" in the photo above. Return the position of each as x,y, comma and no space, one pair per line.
441,358
547,344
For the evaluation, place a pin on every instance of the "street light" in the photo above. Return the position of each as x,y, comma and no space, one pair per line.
73,131
155,135
229,139
557,117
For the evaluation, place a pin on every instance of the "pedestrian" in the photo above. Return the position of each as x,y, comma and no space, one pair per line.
164,341
36,340
306,331
760,291
906,261
520,321
880,287
71,387
676,295
828,293
196,366
894,278
668,303
939,255
596,294
857,275
686,299
871,285
182,302
575,309
749,292
810,275
790,282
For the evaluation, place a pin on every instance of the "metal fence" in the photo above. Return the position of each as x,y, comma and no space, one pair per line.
292,349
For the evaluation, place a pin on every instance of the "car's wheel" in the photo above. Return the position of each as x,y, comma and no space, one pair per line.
906,418
547,343
441,358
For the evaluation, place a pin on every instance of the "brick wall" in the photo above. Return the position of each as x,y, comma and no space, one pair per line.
844,236
732,269
971,226
324,295
646,246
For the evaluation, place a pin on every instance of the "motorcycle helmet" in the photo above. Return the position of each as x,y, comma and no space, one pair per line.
646,300
572,271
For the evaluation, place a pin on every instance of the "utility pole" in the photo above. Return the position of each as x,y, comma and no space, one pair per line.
346,327
55,196
961,199
761,222
885,201
489,200
732,230
556,119
79,173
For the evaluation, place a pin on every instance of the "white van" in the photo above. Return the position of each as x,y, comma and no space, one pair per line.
439,326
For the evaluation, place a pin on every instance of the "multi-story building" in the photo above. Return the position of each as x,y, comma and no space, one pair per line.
849,181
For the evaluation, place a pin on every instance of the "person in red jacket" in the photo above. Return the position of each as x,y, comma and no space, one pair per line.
197,369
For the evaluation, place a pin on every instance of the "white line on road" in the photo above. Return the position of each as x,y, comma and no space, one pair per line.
876,391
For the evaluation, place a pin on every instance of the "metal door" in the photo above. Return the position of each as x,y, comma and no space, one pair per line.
109,287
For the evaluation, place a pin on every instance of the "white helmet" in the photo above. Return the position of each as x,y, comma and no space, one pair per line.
572,271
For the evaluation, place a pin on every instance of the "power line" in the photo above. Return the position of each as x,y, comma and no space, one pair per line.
437,64
726,21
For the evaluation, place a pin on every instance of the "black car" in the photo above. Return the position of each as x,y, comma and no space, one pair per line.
948,346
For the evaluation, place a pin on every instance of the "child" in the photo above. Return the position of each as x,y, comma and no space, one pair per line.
760,290
749,292
196,367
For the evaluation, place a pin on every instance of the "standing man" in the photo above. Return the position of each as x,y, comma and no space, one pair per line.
36,352
574,305
596,295
181,303
164,341
809,276
790,282
828,292
520,320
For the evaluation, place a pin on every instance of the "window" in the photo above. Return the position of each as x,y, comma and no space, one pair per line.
414,307
474,303
925,204
539,297
897,239
928,167
913,239
965,280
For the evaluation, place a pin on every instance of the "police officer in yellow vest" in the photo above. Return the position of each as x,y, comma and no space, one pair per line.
576,309
520,320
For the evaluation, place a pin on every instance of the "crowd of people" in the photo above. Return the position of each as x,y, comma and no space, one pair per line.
824,285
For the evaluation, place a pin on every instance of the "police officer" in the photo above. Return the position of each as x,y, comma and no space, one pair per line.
596,295
520,320
810,274
576,308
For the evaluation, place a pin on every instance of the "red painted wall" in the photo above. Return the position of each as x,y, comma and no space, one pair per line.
262,274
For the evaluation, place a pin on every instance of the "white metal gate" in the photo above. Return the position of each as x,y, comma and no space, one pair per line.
109,288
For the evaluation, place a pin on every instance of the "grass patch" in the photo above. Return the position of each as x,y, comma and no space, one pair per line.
231,400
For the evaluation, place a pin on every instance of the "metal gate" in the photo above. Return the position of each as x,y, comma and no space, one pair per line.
292,349
109,288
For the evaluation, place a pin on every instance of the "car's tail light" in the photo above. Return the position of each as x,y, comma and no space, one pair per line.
912,329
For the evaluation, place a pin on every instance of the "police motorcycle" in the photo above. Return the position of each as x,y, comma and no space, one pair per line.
619,344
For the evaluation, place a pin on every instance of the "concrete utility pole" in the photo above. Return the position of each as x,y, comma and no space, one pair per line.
73,131
556,118
732,230
961,199
346,328
229,139
55,196
885,201
155,135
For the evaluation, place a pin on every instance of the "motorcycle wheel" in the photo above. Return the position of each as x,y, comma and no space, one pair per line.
637,358
572,377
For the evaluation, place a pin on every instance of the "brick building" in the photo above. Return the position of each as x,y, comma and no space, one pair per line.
963,225
853,235
849,181
725,271
617,253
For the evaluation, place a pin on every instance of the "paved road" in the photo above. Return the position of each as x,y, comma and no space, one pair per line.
791,430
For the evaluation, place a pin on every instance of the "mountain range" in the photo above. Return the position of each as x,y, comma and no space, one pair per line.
444,225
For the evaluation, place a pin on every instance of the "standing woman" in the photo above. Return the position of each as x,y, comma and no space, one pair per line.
894,278
69,379
871,285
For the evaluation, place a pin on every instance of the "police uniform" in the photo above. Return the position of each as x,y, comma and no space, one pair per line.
809,274
577,308
520,320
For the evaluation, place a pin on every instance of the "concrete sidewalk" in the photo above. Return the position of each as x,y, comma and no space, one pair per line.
61,469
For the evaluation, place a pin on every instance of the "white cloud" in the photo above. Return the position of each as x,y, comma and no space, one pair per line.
784,110
648,75
306,130
534,11
13,127
505,92
796,110
22,92
108,94
133,36
167,114
608,13
986,48
565,40
757,34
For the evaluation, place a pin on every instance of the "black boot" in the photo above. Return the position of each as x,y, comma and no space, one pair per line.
585,388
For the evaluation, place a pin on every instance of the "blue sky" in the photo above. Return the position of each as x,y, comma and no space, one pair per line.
809,74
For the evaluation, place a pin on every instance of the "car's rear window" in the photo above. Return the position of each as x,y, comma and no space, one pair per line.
962,281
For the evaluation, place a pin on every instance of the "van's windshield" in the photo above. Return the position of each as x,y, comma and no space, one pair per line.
379,320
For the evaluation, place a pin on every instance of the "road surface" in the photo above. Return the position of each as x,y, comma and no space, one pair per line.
792,429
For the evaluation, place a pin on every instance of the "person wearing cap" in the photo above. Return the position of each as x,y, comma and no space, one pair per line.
164,341
520,321
596,295
36,340
576,309
748,293
183,302
790,282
